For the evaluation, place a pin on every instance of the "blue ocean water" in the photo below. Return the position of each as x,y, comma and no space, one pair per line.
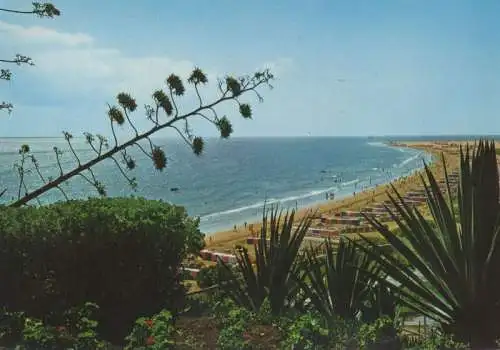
231,181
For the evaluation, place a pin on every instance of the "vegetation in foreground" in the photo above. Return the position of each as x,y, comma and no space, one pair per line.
88,274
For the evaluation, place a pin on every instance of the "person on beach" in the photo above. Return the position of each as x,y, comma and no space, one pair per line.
245,225
235,228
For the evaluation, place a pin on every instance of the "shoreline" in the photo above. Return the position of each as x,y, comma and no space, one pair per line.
309,200
225,239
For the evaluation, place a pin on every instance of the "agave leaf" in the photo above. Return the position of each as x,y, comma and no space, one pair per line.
454,267
276,260
406,279
335,280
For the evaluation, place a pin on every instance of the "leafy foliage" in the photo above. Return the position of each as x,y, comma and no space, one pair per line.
380,334
453,267
434,339
234,325
152,333
208,276
276,263
122,254
308,331
77,330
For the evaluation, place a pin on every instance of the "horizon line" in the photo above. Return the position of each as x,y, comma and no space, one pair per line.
278,136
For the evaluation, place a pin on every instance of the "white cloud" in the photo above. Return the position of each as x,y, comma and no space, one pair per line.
43,35
107,70
73,63
75,68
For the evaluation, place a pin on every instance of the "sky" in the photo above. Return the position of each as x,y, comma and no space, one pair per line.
343,68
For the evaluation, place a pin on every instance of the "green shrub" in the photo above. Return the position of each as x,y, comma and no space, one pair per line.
235,324
207,276
435,339
123,254
311,330
77,331
216,274
308,331
380,334
153,333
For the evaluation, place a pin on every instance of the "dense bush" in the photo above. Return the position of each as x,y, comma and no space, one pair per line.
233,331
123,254
208,276
307,331
153,333
215,274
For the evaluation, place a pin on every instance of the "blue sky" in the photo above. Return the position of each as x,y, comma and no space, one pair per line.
405,67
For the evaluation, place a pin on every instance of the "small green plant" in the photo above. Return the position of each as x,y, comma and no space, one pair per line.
80,324
152,333
233,336
36,335
207,276
198,304
221,308
434,340
235,324
76,331
381,334
308,331
264,315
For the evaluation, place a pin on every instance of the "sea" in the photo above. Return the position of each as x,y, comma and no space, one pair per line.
232,180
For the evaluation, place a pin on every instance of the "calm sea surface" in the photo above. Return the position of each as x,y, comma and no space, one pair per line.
233,178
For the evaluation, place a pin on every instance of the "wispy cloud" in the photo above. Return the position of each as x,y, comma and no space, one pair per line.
107,70
42,35
74,67
75,63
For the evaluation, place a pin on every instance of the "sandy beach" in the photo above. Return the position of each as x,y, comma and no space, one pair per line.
224,241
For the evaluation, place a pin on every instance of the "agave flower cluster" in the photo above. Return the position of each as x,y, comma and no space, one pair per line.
163,113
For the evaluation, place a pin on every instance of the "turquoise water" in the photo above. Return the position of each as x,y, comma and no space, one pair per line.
230,182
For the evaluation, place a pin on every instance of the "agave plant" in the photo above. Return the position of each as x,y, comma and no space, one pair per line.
454,266
275,263
339,282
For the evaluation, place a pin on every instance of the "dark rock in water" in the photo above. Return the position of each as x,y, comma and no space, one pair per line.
174,189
